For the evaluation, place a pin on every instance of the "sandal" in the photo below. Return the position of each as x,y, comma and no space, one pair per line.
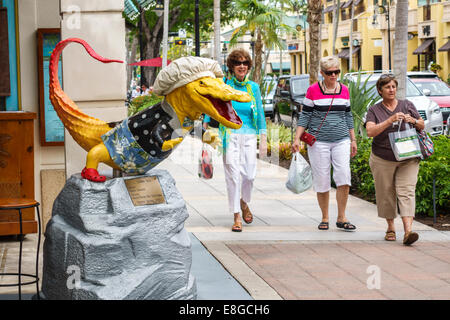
246,214
323,225
237,227
92,175
347,226
410,238
390,236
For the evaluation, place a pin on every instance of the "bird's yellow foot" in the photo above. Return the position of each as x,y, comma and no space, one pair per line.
170,144
92,175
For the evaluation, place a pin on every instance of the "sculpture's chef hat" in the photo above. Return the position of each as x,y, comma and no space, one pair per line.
184,70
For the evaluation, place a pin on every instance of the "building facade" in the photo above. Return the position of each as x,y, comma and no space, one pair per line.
373,36
30,29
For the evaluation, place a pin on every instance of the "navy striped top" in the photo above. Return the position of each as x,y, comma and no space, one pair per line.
338,121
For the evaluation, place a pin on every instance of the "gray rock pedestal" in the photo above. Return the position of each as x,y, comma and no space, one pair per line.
98,245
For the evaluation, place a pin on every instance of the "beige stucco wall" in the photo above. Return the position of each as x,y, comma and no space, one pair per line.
32,15
98,89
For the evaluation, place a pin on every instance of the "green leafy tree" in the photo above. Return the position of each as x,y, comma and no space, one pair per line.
263,21
181,15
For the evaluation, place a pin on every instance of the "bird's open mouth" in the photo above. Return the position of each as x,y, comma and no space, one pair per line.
225,110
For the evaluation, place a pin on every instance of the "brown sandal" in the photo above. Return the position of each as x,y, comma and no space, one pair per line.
410,238
246,214
390,236
237,227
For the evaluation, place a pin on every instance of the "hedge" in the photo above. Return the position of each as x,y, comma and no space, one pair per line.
437,167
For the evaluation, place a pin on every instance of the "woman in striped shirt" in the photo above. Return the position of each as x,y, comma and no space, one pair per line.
326,114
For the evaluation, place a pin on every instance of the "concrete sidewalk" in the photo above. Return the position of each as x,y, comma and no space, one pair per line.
282,254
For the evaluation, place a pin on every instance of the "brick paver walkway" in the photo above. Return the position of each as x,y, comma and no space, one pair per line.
330,270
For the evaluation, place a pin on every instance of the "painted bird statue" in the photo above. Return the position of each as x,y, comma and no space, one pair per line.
191,86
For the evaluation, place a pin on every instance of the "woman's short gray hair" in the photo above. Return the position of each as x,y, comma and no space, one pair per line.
329,62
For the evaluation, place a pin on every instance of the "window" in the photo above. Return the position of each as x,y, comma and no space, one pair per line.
427,13
421,3
344,15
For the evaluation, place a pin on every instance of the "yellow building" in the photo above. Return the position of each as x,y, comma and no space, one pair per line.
428,36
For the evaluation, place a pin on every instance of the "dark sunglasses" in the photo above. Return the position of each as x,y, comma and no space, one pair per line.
387,75
238,63
329,73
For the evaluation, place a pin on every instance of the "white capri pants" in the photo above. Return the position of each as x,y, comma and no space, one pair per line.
239,162
324,154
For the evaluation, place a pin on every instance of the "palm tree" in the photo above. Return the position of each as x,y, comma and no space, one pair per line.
401,46
217,29
337,5
263,21
352,16
314,19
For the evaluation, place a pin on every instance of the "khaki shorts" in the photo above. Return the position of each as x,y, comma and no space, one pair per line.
395,186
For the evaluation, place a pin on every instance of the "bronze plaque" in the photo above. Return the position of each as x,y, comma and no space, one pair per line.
144,191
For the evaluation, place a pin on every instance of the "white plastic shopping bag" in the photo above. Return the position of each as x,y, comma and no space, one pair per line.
300,174
405,144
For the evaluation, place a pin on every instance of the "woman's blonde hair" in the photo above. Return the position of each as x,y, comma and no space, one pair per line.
329,62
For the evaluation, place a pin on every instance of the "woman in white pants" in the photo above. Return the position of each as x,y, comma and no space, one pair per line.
326,114
240,145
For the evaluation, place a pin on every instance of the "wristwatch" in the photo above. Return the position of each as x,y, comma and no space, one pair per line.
415,122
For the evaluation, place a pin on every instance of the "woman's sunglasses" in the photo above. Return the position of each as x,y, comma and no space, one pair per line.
238,63
329,73
387,75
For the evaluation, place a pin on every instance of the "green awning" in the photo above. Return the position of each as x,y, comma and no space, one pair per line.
276,66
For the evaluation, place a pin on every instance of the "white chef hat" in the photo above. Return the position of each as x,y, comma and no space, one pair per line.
185,70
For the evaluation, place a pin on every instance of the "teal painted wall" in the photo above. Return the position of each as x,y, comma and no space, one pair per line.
12,102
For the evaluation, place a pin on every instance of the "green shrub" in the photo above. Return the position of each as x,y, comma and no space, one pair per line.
142,102
362,179
437,166
361,96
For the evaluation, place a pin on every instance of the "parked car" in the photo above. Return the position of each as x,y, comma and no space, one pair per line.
427,108
288,98
438,91
422,74
268,103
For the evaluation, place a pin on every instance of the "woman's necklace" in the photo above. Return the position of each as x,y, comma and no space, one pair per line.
328,89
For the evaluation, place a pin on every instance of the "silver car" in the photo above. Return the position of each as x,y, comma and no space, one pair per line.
427,108
268,103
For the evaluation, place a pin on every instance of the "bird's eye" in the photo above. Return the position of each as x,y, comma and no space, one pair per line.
201,82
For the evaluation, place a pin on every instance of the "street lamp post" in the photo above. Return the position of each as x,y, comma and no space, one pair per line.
382,9
224,51
197,29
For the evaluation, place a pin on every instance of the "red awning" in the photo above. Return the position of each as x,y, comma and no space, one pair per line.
155,62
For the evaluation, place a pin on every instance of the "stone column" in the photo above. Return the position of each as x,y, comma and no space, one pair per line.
98,89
